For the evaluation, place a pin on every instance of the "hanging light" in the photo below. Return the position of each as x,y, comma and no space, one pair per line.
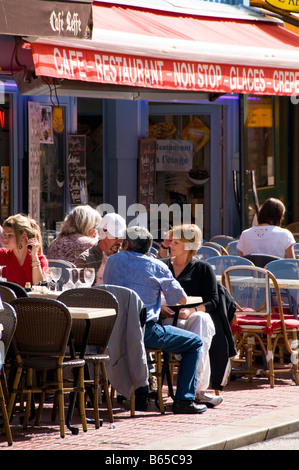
57,119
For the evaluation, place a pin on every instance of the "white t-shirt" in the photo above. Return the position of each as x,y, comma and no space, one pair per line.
265,239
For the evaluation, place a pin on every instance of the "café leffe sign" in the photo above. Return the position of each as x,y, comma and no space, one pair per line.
137,71
287,5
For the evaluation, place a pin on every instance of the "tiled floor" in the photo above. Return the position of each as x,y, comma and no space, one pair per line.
242,400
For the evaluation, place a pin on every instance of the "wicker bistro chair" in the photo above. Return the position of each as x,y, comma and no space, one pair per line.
222,262
256,323
18,290
205,252
39,344
222,240
99,336
222,250
7,294
260,259
8,319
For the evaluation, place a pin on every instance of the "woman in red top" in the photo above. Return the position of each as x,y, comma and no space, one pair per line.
21,263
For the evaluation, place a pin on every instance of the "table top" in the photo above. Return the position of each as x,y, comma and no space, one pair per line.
191,300
46,294
87,313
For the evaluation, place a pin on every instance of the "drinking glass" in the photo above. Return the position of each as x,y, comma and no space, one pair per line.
78,283
48,275
56,275
69,284
89,276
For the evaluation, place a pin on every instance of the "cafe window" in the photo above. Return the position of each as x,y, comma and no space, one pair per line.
259,130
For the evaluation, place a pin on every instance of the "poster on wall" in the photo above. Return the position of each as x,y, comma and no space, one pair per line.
46,127
174,155
34,128
76,163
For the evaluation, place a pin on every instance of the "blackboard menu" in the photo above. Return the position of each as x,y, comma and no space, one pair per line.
76,162
147,172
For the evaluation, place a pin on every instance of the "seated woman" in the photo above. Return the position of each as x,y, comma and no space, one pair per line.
22,255
78,233
268,237
197,279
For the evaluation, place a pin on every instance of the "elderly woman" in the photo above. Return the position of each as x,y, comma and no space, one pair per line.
22,252
78,233
197,279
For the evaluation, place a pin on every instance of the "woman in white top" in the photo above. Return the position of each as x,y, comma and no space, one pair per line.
268,237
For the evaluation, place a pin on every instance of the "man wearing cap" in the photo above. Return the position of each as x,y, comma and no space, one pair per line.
112,231
148,277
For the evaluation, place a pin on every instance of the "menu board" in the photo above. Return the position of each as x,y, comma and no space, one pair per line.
147,172
76,162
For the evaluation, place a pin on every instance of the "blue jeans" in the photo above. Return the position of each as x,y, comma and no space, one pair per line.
177,341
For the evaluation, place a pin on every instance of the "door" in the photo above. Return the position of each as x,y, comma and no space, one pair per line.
191,181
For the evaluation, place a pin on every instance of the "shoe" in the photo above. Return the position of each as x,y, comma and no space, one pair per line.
209,400
187,407
141,401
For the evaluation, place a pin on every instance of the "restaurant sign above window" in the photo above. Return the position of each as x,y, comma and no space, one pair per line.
286,5
136,71
46,18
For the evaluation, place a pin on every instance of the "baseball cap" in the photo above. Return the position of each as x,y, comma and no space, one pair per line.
115,225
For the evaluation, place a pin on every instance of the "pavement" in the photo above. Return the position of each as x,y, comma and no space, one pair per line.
250,412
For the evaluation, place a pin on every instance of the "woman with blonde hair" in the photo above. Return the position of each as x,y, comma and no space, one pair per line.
21,254
197,279
78,232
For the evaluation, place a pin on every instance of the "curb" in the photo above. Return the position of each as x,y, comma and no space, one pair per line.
232,436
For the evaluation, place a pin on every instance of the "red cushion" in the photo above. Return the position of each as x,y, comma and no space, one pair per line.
289,320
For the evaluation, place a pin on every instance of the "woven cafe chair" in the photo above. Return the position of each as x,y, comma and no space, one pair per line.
222,240
154,356
222,250
294,228
255,323
287,268
232,248
18,290
205,252
261,259
39,344
7,294
222,262
8,319
99,336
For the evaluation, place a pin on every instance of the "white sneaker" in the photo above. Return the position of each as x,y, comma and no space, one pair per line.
209,400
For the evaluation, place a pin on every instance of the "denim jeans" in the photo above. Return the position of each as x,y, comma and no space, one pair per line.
177,341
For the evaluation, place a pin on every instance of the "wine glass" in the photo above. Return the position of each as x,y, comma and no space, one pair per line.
48,275
89,276
78,283
69,284
56,275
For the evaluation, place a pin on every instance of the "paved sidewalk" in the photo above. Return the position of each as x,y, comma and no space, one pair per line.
250,412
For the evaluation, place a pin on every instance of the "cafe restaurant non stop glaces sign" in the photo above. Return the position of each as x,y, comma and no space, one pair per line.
157,73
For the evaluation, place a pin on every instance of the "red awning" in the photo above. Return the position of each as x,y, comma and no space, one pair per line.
170,51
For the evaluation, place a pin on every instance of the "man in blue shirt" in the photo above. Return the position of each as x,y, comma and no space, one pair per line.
148,277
